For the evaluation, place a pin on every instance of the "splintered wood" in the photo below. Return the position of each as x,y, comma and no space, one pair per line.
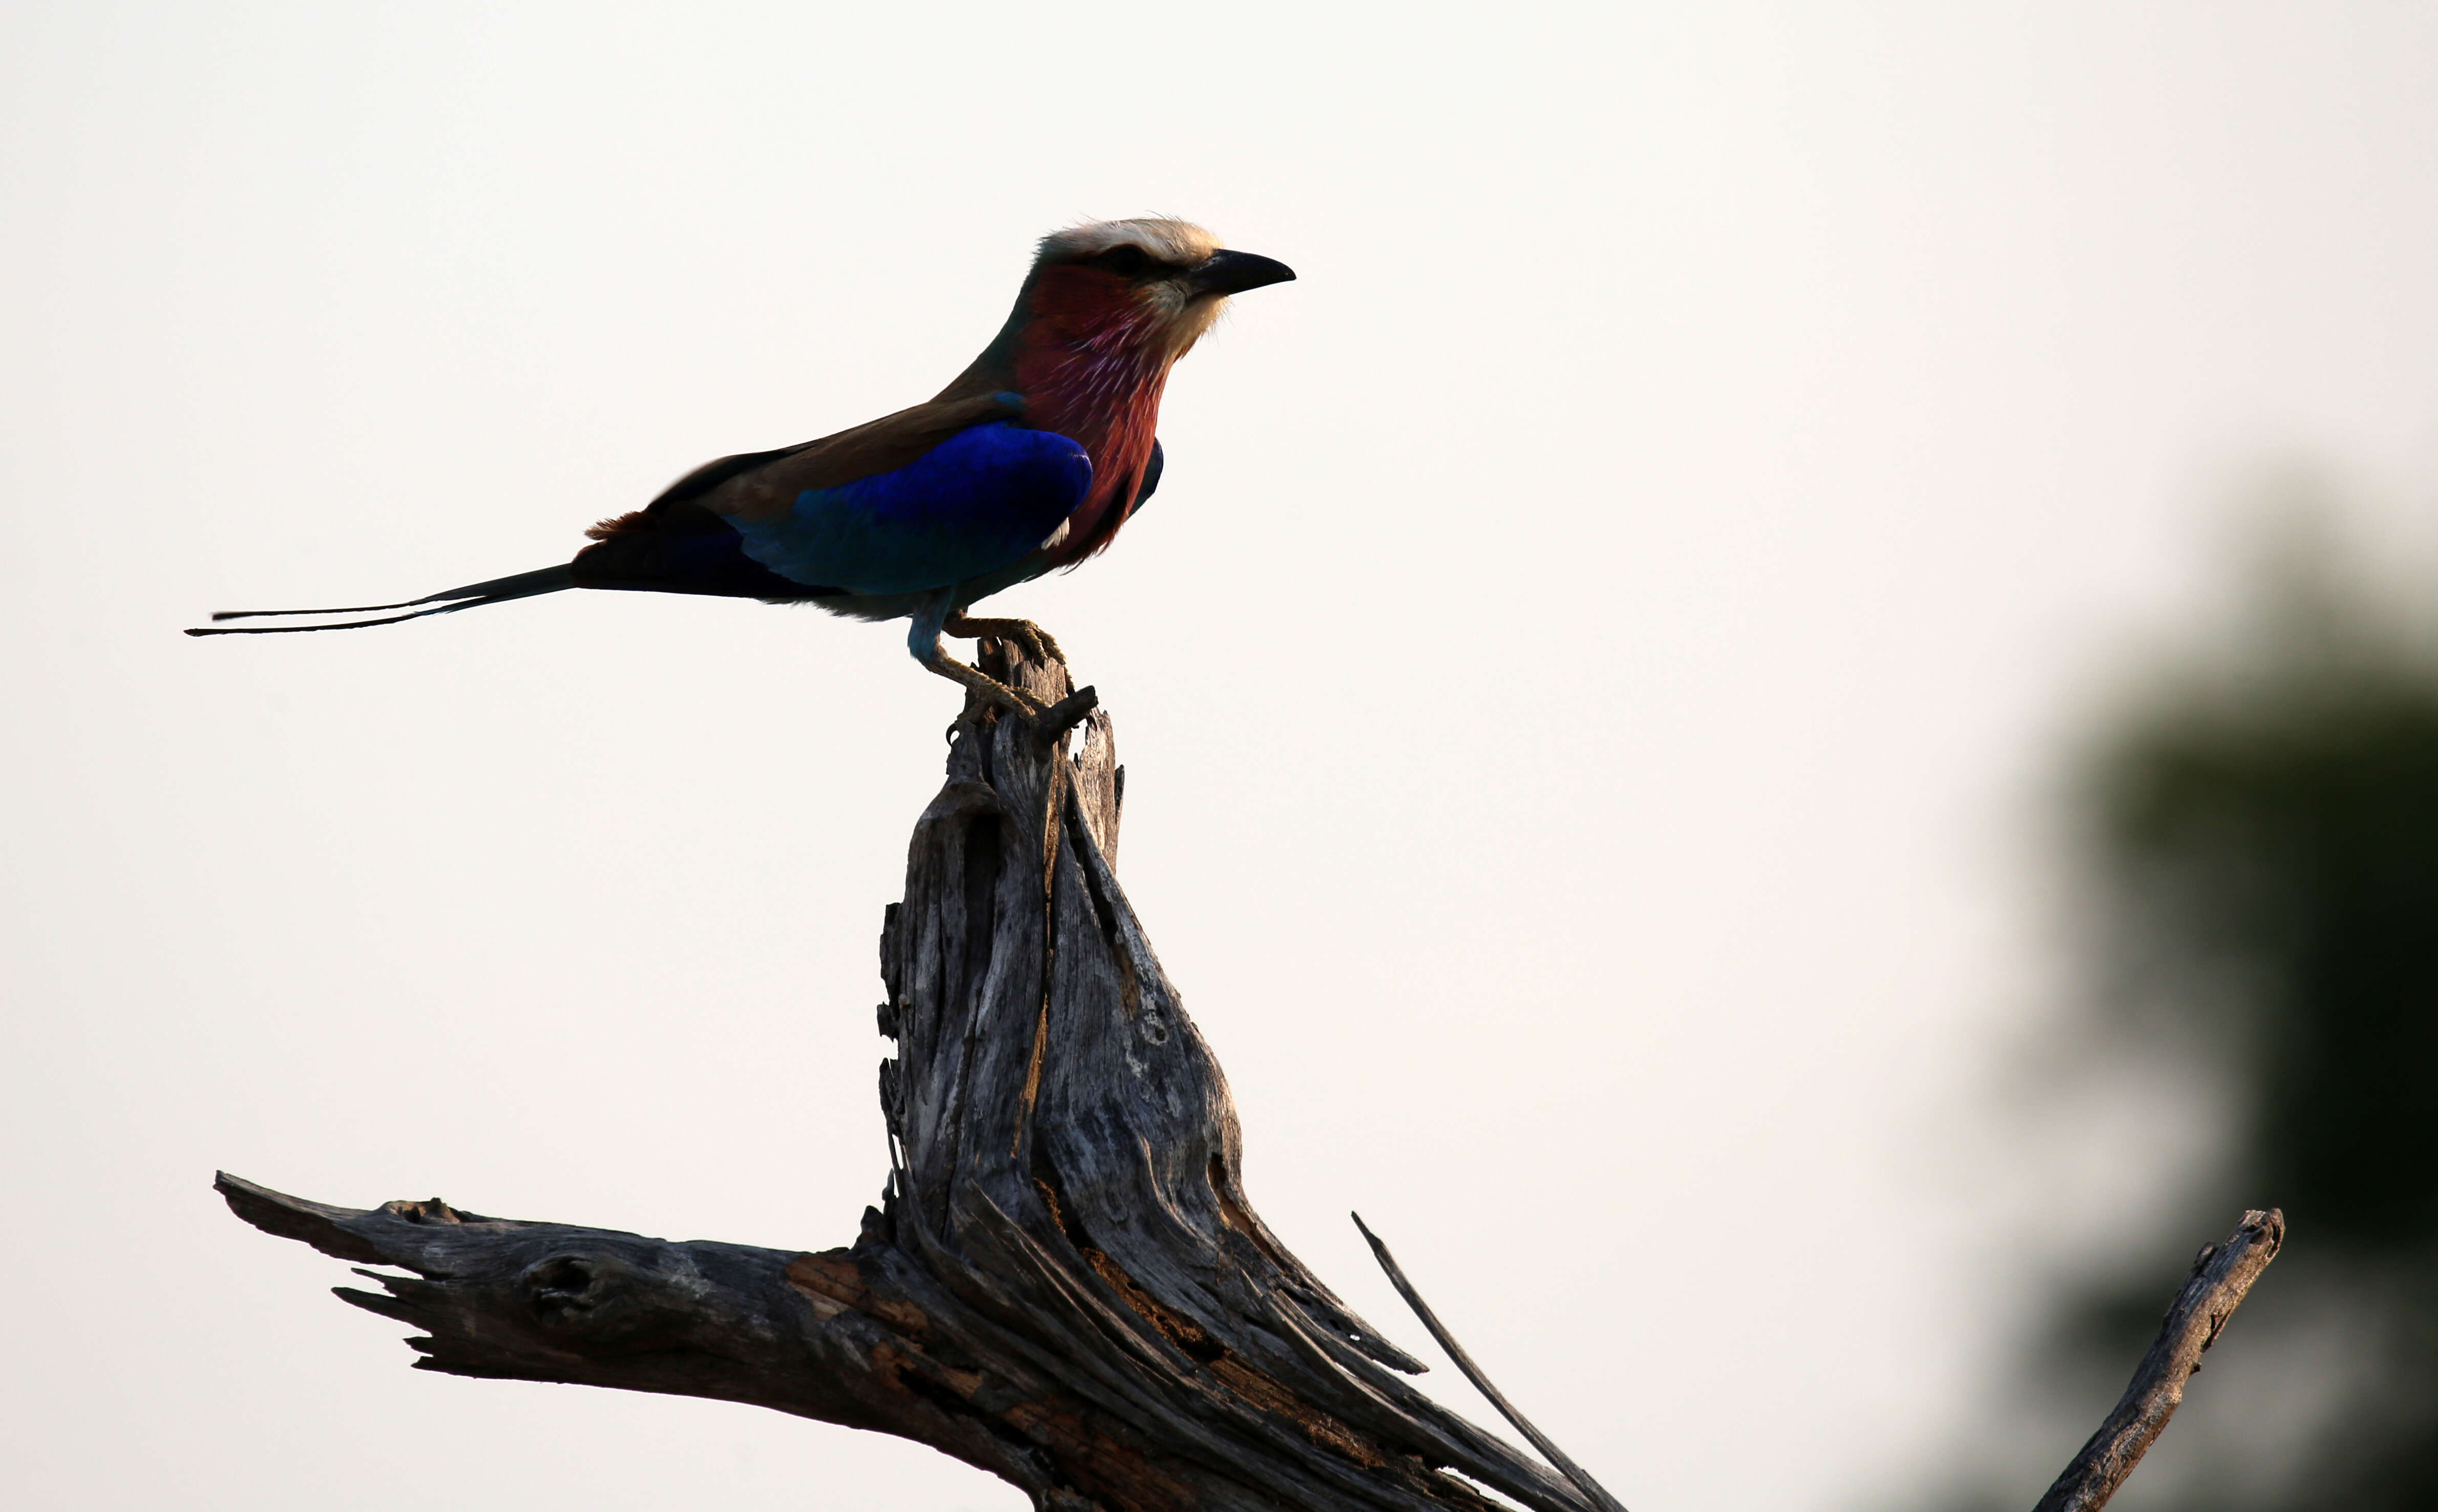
1065,1284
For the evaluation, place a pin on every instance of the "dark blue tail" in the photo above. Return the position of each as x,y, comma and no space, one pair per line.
472,596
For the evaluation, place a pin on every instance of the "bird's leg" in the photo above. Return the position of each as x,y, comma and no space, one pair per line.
1035,640
982,683
922,641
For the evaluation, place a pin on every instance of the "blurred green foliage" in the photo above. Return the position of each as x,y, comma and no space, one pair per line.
2301,836
2263,833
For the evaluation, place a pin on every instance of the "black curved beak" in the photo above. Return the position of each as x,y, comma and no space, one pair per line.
1232,273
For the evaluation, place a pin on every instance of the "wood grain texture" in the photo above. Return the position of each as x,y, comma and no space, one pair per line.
1064,1285
2222,1273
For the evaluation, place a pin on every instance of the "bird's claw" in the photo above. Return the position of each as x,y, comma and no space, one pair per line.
1046,721
1037,641
1043,722
1042,645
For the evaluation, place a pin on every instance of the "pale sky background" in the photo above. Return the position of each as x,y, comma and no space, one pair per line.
1590,680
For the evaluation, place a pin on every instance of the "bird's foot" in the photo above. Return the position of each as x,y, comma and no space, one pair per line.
1035,641
1047,721
981,687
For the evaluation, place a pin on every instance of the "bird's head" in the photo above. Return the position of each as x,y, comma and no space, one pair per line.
1156,282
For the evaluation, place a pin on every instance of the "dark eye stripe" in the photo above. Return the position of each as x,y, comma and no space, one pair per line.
1126,260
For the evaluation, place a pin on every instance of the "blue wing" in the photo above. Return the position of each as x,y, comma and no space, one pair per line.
981,501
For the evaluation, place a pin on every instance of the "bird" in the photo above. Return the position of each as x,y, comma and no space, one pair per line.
1031,459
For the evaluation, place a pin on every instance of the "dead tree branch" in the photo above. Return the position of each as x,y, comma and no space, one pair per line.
1497,1399
1066,1285
2222,1273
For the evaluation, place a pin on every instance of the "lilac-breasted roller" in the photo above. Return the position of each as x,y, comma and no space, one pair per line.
1034,458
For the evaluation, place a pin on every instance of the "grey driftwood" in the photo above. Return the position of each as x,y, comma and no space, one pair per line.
2222,1273
1065,1284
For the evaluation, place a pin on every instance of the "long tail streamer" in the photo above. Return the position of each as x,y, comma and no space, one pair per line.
472,596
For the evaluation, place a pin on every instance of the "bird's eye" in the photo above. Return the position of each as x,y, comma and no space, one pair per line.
1126,259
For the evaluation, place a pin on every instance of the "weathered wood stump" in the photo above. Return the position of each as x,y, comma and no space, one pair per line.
1064,1285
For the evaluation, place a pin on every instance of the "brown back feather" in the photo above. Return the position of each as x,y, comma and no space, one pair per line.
764,484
